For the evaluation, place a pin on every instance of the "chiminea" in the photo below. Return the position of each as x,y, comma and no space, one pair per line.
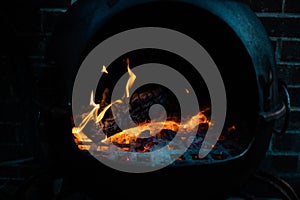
239,46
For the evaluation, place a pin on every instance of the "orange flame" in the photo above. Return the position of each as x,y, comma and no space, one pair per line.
104,70
92,115
88,117
131,79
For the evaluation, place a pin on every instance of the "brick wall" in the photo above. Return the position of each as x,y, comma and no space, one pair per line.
281,19
26,27
24,73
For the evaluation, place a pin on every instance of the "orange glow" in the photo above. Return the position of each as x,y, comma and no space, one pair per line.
232,128
129,135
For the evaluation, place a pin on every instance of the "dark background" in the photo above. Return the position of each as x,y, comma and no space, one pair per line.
25,76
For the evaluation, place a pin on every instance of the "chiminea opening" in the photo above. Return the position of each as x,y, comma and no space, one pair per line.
238,130
238,45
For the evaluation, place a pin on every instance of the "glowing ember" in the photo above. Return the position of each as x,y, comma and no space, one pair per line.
132,134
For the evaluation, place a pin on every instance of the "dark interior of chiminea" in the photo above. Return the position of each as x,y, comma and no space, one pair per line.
228,53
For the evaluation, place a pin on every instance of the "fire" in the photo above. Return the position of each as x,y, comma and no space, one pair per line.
133,134
131,79
88,117
92,115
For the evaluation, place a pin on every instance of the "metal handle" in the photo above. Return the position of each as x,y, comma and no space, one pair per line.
287,103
